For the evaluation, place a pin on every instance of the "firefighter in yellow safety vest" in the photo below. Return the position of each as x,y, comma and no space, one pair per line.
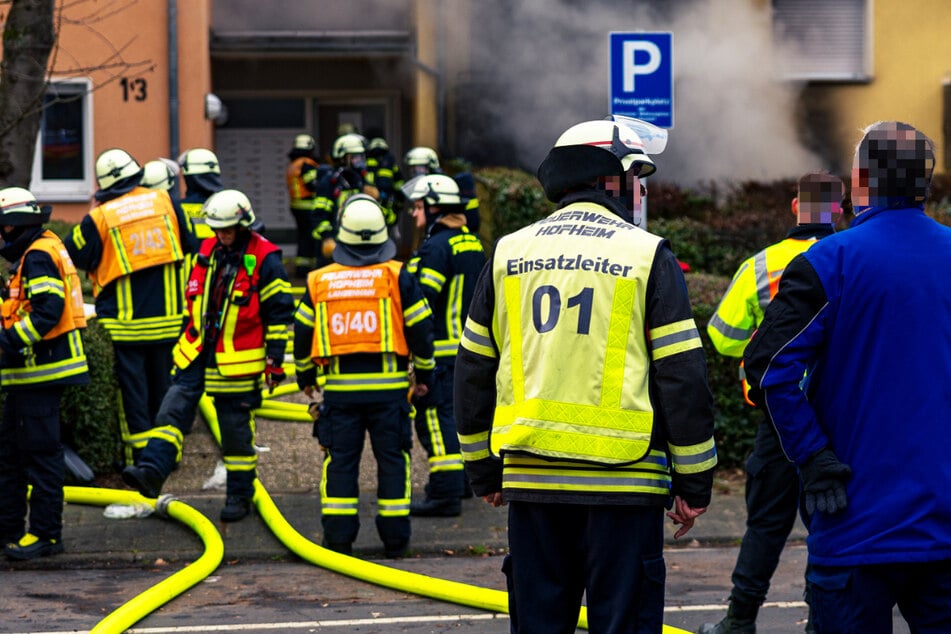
580,392
772,483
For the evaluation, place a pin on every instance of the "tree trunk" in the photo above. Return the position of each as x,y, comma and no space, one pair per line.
28,38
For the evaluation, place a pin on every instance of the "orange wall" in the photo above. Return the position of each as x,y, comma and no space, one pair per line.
132,44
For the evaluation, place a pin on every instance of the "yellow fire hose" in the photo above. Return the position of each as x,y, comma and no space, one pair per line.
140,606
414,583
143,604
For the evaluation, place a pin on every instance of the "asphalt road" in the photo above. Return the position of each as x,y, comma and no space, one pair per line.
292,596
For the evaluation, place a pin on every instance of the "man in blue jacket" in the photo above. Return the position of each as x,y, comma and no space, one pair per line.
866,313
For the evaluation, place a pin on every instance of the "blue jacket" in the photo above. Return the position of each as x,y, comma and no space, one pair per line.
868,313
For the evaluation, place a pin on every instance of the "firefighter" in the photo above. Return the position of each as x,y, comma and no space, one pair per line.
422,160
772,484
386,176
447,265
302,175
132,245
348,177
42,353
239,307
359,322
581,396
202,174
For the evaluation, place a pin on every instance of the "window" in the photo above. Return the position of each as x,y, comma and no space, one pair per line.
63,161
820,40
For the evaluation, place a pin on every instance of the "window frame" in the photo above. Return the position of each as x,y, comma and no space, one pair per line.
73,189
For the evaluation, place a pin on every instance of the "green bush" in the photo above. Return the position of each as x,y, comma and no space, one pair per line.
90,412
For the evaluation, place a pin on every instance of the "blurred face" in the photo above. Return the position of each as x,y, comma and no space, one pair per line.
631,193
226,236
418,170
358,162
419,213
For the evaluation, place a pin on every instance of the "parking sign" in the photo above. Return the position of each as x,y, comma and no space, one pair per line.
642,76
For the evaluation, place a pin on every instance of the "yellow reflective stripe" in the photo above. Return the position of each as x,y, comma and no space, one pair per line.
432,278
76,344
276,286
572,430
615,354
44,373
416,313
424,363
26,331
143,329
171,287
304,315
123,258
77,236
338,506
694,458
435,433
455,314
446,347
44,284
398,507
674,338
446,463
372,381
512,290
474,446
322,325
386,324
240,463
476,339
171,435
412,266
648,476
125,307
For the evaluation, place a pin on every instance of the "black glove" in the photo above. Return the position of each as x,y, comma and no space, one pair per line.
823,483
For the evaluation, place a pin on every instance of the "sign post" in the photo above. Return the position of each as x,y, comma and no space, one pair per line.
642,81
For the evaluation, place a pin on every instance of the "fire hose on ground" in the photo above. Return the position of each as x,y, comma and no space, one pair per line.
151,599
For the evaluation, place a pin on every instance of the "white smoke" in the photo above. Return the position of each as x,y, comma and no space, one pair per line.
733,114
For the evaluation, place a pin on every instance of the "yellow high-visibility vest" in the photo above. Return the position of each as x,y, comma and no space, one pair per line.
573,350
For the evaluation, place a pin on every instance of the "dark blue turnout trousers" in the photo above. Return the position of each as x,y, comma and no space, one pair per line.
611,554
341,430
31,454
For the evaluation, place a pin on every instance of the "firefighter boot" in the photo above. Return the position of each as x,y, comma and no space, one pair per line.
30,547
236,508
144,479
740,619
436,507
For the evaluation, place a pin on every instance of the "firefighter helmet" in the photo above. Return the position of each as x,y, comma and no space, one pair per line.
199,161
378,144
362,236
591,150
347,144
113,166
362,222
434,189
159,174
422,157
18,208
304,142
228,208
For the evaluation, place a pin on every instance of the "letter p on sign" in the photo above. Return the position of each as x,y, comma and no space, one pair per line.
631,68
